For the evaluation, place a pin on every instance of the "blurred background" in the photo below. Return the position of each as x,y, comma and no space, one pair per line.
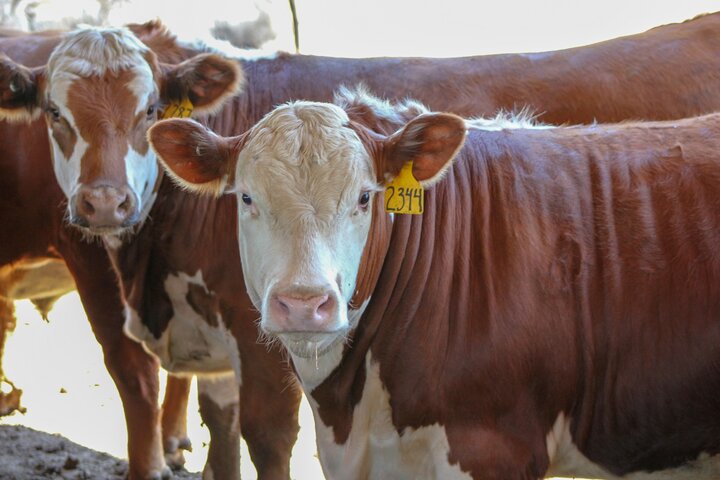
59,364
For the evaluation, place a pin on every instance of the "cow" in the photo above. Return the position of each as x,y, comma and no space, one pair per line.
32,201
554,310
165,266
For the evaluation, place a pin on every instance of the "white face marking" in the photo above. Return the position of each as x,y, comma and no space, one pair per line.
67,170
189,344
142,173
567,461
374,448
304,233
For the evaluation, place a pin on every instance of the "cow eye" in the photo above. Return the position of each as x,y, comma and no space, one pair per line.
364,199
246,199
54,113
151,111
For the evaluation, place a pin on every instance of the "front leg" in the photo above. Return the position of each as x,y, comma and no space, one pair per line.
219,400
10,401
174,420
270,401
134,372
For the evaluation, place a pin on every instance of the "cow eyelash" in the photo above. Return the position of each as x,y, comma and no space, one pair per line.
364,200
54,112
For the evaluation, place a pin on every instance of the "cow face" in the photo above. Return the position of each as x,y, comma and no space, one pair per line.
100,92
306,179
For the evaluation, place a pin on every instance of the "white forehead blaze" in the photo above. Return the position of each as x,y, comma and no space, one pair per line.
305,169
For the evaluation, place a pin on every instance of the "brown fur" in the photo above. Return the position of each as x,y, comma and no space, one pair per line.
540,257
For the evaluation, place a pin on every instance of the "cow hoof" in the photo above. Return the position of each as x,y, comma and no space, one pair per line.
174,448
164,474
10,402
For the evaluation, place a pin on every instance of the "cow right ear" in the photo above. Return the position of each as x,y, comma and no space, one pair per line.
195,157
430,141
20,87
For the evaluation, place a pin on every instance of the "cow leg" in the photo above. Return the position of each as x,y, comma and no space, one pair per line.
10,401
219,408
134,372
269,419
174,420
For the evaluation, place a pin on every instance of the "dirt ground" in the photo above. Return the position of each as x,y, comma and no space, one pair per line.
26,454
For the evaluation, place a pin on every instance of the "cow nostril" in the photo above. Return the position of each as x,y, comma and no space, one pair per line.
283,306
88,207
327,306
125,205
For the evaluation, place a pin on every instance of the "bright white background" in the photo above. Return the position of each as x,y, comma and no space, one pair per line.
43,358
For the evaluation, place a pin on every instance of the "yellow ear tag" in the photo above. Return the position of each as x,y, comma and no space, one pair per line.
181,109
404,194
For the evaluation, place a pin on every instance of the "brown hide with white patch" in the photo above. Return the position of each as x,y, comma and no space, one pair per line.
101,90
31,201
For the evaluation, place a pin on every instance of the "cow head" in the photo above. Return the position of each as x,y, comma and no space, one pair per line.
100,92
307,181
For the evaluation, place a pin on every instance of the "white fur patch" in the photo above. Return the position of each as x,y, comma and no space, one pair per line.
142,173
567,461
222,389
189,344
374,448
67,170
95,51
35,279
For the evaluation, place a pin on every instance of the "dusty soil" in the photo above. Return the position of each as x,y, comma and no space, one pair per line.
27,454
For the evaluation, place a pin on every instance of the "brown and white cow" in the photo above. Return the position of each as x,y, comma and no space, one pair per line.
171,254
32,203
554,311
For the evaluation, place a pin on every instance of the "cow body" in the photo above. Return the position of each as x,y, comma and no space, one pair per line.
552,312
31,201
557,280
642,77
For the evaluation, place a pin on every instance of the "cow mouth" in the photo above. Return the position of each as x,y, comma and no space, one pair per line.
94,231
310,344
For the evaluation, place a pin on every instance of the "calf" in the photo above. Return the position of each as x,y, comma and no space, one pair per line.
554,310
31,201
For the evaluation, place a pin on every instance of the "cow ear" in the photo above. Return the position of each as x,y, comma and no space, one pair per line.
207,80
195,157
20,88
430,141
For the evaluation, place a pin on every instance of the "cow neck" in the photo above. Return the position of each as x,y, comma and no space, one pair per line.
420,298
373,256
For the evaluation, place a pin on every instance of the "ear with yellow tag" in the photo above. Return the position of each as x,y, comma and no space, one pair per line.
404,194
421,152
181,109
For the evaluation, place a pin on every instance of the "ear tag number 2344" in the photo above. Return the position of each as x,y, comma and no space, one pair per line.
404,194
181,109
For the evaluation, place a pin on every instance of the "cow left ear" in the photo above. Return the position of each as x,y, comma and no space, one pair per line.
20,87
430,141
195,157
207,80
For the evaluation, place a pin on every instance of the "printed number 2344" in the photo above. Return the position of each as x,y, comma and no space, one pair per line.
401,199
